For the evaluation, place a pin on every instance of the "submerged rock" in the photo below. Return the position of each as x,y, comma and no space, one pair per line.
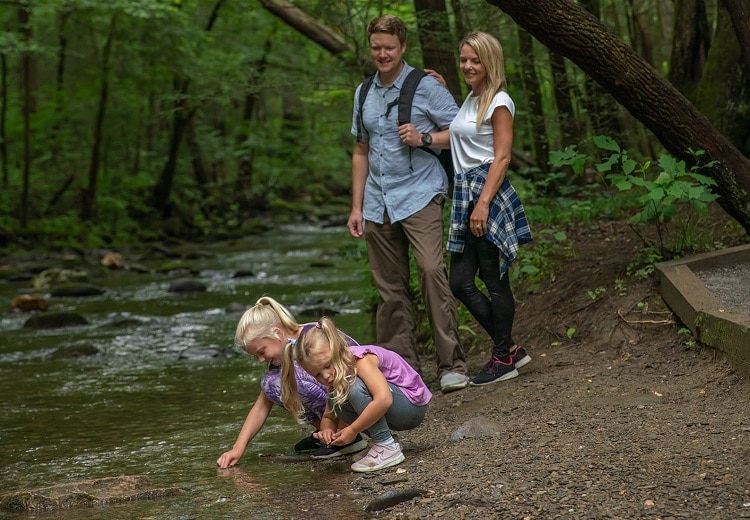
86,493
184,285
55,320
76,290
29,303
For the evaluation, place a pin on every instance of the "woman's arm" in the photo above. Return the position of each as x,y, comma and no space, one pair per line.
368,370
502,135
253,423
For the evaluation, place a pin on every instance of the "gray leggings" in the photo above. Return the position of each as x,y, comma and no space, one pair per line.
402,415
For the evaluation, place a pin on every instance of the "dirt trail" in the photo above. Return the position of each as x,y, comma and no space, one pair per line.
623,421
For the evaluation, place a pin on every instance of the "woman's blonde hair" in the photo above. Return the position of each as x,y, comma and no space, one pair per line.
322,339
490,55
260,320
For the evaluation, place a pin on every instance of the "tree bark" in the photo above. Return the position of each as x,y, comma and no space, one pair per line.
540,145
88,204
567,28
3,113
564,92
163,187
690,45
24,13
740,12
437,45
723,89
308,26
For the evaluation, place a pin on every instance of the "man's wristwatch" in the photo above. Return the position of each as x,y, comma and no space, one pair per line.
426,140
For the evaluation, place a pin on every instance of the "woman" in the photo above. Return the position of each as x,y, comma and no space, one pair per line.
488,222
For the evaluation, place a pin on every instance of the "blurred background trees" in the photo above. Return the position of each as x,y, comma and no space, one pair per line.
136,119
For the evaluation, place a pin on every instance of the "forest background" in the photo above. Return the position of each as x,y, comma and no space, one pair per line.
136,120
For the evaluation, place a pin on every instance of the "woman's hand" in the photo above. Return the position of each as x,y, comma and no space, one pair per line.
478,220
437,76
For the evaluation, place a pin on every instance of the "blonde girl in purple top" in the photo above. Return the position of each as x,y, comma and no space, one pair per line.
371,388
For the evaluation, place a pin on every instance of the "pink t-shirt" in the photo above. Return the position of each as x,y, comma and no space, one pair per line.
397,372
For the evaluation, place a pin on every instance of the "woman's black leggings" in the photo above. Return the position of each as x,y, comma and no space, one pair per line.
496,312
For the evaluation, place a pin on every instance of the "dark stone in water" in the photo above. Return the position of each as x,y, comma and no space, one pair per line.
76,290
75,351
243,273
55,320
235,307
183,285
318,312
393,497
123,323
86,493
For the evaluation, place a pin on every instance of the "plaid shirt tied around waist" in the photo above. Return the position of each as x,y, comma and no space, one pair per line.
507,226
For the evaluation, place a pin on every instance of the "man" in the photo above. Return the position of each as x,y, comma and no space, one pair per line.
398,192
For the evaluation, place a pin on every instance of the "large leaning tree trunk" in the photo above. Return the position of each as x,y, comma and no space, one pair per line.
567,28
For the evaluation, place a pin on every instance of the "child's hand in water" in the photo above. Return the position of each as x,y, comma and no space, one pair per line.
324,436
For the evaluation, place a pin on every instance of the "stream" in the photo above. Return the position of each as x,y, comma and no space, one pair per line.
136,407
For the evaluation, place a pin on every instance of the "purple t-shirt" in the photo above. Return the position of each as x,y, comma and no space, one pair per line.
397,372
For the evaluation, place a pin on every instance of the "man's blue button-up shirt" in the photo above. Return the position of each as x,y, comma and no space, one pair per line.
402,180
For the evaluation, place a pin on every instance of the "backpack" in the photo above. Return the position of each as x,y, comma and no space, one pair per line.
404,115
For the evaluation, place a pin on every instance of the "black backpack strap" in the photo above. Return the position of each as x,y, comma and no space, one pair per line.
406,96
363,90
405,100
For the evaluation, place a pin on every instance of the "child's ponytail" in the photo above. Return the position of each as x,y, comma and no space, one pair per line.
289,395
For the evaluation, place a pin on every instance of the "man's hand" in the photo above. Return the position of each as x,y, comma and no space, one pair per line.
355,224
409,135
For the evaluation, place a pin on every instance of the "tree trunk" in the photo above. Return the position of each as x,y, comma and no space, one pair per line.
24,13
540,146
723,89
567,28
196,157
690,45
3,114
436,43
88,204
163,187
564,92
740,12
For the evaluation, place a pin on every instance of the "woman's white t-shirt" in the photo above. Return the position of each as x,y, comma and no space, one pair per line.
469,147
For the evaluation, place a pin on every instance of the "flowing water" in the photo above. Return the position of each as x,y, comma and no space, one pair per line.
137,408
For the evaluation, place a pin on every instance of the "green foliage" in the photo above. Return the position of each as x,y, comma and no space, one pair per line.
661,192
542,260
665,194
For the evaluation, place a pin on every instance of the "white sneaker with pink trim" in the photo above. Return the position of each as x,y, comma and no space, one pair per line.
379,457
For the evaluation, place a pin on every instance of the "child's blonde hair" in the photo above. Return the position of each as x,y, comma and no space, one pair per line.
322,339
260,320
